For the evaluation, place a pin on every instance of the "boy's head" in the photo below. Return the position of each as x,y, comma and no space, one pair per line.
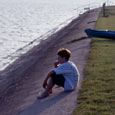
64,53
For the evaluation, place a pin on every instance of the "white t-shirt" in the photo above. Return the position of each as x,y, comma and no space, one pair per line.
70,73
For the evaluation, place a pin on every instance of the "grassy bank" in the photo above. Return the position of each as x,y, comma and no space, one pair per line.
97,96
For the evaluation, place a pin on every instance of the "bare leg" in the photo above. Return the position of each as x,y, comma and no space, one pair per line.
48,90
49,87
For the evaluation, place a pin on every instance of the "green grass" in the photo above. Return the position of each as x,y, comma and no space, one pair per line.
97,95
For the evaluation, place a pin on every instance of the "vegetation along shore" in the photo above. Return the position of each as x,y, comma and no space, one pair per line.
97,96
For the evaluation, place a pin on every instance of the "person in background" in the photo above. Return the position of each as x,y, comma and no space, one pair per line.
65,74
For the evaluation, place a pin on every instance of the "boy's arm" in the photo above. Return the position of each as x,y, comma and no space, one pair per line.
47,77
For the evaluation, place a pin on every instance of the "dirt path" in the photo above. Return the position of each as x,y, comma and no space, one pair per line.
21,99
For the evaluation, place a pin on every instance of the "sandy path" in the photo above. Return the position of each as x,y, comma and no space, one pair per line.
21,100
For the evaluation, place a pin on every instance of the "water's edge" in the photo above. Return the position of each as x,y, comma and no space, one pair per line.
15,72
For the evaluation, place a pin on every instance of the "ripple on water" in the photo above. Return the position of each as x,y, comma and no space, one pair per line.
24,23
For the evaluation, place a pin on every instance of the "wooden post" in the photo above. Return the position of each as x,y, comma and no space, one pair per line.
103,9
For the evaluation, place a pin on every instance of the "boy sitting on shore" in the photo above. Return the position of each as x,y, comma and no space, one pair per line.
65,74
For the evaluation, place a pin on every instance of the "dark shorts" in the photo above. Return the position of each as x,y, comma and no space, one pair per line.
58,80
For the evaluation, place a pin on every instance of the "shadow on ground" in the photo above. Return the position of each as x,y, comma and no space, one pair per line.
41,105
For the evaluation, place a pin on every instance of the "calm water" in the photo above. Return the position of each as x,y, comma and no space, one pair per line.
24,21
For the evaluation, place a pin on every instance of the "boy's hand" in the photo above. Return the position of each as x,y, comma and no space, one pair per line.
56,63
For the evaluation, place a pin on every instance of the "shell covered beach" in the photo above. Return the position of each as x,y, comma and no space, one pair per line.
26,75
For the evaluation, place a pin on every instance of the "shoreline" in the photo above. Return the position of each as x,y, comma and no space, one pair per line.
19,52
32,67
28,59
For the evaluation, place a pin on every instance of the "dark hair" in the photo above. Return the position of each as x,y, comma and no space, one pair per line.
63,52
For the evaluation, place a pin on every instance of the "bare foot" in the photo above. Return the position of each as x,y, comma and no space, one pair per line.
42,95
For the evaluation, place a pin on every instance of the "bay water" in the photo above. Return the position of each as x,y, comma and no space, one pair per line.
23,23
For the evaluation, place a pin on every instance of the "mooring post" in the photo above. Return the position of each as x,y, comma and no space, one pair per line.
103,9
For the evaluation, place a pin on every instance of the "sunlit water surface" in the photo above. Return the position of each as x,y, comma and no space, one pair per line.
24,21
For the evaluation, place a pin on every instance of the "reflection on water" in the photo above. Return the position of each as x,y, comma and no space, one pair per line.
24,22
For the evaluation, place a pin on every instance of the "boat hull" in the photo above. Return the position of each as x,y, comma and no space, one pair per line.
100,33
